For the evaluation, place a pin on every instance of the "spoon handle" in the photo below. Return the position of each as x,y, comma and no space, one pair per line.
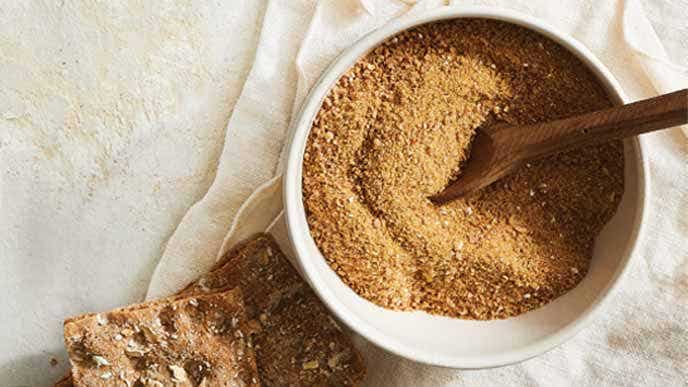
539,140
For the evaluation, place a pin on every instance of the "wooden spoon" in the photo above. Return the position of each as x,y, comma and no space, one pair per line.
499,150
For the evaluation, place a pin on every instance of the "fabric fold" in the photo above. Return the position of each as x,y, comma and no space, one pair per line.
253,141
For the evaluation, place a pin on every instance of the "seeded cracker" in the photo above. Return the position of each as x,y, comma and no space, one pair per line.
397,128
296,341
182,341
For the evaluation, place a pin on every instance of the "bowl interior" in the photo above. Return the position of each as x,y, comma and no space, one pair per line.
454,342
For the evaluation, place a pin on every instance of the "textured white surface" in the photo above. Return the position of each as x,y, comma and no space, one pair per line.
113,116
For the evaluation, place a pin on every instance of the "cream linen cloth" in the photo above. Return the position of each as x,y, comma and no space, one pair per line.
642,338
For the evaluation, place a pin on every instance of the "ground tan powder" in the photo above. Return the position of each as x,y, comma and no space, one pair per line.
395,130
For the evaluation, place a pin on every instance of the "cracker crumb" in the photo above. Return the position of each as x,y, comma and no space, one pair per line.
100,361
310,365
178,373
102,320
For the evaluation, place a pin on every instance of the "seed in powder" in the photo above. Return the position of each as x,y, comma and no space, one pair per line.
403,118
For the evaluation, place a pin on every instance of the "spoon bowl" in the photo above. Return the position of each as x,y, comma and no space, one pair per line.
499,150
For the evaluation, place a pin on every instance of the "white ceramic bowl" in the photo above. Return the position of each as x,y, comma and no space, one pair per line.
453,342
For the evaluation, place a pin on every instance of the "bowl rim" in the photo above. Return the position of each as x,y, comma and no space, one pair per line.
296,218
